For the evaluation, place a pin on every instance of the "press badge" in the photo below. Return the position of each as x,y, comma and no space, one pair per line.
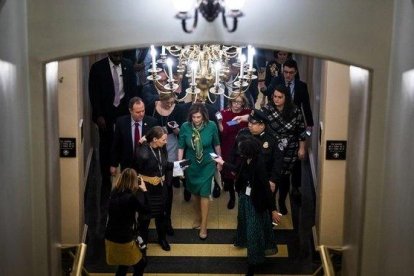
248,190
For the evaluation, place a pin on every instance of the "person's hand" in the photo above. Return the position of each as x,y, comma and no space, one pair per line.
100,121
141,184
113,170
301,153
176,130
219,160
242,118
276,217
272,186
142,140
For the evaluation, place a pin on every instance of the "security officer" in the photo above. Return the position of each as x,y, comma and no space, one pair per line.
270,150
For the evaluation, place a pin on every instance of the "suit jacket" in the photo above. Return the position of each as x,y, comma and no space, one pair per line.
122,147
101,90
300,97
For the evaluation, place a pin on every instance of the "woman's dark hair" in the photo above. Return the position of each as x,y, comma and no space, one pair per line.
249,147
289,106
155,132
195,108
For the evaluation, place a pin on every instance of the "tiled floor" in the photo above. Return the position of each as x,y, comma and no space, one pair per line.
216,255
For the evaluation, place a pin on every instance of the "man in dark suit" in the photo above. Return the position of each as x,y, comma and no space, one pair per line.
300,95
112,83
129,129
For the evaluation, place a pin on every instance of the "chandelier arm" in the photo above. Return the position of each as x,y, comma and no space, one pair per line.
195,21
223,16
208,96
183,98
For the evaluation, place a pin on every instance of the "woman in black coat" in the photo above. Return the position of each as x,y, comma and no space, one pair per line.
126,199
254,227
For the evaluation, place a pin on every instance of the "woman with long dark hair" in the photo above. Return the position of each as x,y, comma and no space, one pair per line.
286,119
151,164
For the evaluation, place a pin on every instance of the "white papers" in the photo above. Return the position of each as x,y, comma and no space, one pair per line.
177,170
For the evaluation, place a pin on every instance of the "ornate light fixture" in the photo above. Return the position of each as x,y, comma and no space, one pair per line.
208,69
210,10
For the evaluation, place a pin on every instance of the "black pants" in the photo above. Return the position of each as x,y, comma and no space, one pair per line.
283,187
138,268
297,174
168,205
160,224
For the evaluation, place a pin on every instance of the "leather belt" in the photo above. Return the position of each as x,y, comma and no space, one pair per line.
153,180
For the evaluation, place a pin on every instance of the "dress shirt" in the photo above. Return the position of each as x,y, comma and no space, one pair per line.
121,80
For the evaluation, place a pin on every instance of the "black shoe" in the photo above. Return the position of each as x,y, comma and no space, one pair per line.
216,191
230,204
282,208
176,182
187,195
170,230
164,245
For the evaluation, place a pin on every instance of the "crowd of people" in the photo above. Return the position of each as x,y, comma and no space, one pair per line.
144,135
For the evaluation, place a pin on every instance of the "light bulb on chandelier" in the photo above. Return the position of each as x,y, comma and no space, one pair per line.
207,67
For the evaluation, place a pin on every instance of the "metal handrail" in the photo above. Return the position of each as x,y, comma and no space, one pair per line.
78,258
326,254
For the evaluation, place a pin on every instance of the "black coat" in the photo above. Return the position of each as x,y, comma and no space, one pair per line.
101,89
121,215
254,173
122,147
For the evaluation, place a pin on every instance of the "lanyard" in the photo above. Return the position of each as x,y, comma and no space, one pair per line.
159,159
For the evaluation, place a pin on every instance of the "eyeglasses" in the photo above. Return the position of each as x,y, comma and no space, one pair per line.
169,103
289,72
238,102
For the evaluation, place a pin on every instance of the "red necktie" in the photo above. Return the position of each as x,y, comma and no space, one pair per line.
136,135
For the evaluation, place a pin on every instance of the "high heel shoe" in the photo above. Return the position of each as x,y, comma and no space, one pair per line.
202,235
196,224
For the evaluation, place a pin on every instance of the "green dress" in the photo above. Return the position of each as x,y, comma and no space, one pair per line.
199,175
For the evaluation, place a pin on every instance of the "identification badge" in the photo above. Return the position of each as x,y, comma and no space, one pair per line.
248,190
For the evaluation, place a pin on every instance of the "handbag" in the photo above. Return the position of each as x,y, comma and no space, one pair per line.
122,253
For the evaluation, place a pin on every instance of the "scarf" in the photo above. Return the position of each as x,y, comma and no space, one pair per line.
197,143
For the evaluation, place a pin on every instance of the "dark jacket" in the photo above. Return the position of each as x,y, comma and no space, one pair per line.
255,174
101,89
273,156
122,147
121,215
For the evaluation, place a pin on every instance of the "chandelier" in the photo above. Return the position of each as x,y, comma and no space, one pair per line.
210,10
209,69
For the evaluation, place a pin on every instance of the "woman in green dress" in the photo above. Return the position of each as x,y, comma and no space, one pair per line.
198,138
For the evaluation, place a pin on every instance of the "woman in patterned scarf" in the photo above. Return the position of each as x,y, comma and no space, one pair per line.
198,138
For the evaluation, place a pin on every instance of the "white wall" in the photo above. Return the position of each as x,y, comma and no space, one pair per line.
398,204
16,236
340,30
